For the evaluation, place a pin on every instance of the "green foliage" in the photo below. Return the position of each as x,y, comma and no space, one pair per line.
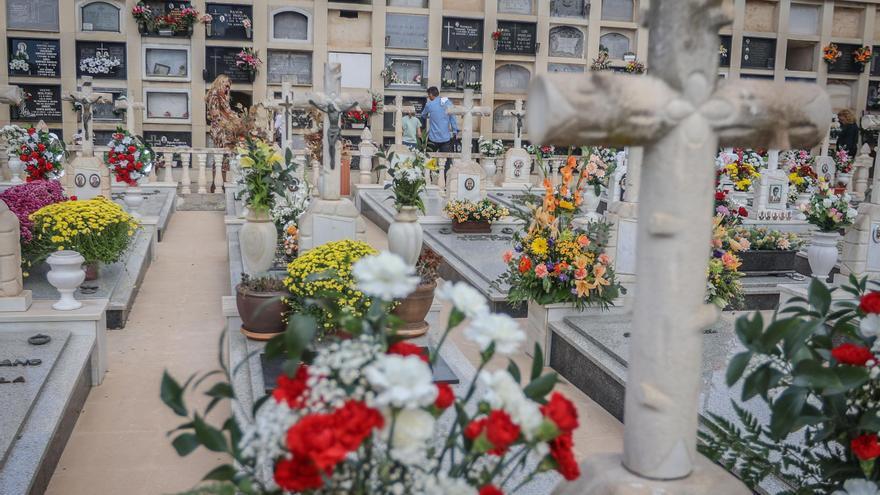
265,173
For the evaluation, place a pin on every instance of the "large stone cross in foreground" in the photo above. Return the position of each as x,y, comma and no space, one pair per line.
467,110
680,118
399,109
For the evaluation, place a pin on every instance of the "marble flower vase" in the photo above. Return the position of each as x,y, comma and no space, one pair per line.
66,275
538,324
133,199
405,235
822,253
16,166
258,239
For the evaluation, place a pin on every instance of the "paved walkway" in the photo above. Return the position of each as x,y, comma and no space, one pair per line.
119,445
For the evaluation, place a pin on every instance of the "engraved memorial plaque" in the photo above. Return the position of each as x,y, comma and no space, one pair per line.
517,38
100,16
290,25
569,8
462,35
617,10
30,57
511,78
221,60
460,73
408,101
32,15
515,7
846,64
406,31
228,21
566,41
295,65
758,53
165,139
101,60
616,43
41,102
104,112
557,67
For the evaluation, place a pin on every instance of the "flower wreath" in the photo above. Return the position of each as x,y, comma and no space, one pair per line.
129,158
42,153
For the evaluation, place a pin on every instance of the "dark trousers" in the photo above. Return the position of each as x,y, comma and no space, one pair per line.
444,147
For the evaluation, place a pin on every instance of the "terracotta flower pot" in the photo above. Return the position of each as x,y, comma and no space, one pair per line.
413,310
471,227
92,272
261,313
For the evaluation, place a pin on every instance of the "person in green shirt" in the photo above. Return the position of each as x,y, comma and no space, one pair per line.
412,130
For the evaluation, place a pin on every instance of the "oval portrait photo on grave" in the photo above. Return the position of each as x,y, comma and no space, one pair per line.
80,180
469,184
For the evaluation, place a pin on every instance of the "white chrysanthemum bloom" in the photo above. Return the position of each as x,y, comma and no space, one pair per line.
858,487
505,393
827,202
413,430
464,297
385,275
870,325
443,485
499,329
401,381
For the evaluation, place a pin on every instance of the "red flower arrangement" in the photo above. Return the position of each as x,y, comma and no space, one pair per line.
42,154
129,158
496,35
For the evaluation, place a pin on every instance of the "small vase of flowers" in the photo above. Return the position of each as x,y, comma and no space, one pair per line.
249,61
829,212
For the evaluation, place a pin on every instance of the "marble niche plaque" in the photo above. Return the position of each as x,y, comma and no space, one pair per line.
758,53
166,139
504,124
290,25
569,8
410,71
516,7
221,60
406,31
803,19
102,137
566,41
846,64
557,67
166,62
417,102
512,78
101,60
296,65
517,38
417,4
104,112
34,57
616,43
875,62
41,102
462,35
32,15
99,16
167,105
617,10
228,21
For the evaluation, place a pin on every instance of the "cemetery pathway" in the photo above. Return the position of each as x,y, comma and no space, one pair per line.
119,445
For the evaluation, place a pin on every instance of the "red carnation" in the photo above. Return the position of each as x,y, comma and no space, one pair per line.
851,354
73,198
314,438
490,490
445,396
290,390
474,428
501,431
562,412
131,149
743,212
525,264
561,452
355,423
31,131
720,195
298,475
865,447
41,147
870,303
407,349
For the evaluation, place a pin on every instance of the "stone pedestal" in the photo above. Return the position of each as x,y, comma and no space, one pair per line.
517,167
861,243
80,180
467,180
330,220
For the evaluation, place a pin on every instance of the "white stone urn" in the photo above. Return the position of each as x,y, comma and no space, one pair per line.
844,179
538,324
258,240
591,204
822,253
15,168
66,275
490,167
802,200
133,199
405,235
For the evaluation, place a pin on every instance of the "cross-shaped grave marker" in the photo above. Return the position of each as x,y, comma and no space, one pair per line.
284,105
680,118
467,180
87,165
518,113
399,109
130,107
467,110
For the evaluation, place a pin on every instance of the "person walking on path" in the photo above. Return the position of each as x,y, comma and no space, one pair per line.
442,128
412,131
848,139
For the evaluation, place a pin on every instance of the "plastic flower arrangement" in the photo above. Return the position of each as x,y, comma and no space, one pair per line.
129,157
98,229
179,20
764,239
12,135
248,59
545,151
265,174
324,269
484,211
42,153
99,65
599,168
362,415
723,287
490,148
601,62
553,262
731,214
496,35
285,213
862,55
843,162
801,176
828,211
25,199
408,178
361,116
635,67
831,54
814,368
744,169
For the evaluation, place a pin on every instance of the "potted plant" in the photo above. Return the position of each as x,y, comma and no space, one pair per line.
407,185
249,61
491,150
261,306
415,307
129,159
765,251
843,163
97,228
829,212
469,217
144,17
265,174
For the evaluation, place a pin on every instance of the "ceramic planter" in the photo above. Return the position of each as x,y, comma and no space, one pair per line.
471,227
413,310
405,235
134,198
66,275
258,239
843,178
822,253
491,168
261,313
15,167
538,324
92,271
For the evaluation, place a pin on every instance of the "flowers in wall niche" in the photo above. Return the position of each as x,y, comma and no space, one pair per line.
635,67
248,60
99,65
602,61
176,21
863,55
831,54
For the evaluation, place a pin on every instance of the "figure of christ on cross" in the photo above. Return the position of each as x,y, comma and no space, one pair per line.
86,99
518,113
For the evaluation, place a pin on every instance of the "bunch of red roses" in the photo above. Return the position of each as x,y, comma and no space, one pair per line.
42,154
129,158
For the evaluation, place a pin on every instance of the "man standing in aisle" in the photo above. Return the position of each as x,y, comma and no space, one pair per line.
442,128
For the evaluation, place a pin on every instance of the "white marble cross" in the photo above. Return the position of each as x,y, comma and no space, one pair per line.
130,107
284,105
11,95
87,99
399,109
517,113
680,118
467,110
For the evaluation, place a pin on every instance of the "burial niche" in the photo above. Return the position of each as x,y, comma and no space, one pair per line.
296,66
616,43
566,41
617,10
504,124
162,61
569,8
32,15
291,25
803,19
100,16
511,78
167,104
515,7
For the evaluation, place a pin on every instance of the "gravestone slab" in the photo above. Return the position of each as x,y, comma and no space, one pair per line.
823,166
32,15
29,57
406,31
466,181
297,66
517,38
501,123
617,10
569,8
566,41
167,105
462,34
517,168
570,68
100,16
846,64
516,7
290,25
164,139
166,62
19,398
221,60
758,53
41,102
87,51
228,21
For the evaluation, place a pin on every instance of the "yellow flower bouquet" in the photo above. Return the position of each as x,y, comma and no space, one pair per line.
98,229
326,271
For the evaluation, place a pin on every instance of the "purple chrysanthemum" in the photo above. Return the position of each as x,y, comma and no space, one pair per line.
27,198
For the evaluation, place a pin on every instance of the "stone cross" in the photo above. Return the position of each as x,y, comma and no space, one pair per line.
399,110
285,105
130,107
517,113
680,118
87,99
11,95
467,110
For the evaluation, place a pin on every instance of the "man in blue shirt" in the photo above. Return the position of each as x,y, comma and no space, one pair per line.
440,123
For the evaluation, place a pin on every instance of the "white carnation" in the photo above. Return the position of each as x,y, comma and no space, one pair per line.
505,393
464,297
870,325
385,276
498,329
401,381
858,487
413,429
